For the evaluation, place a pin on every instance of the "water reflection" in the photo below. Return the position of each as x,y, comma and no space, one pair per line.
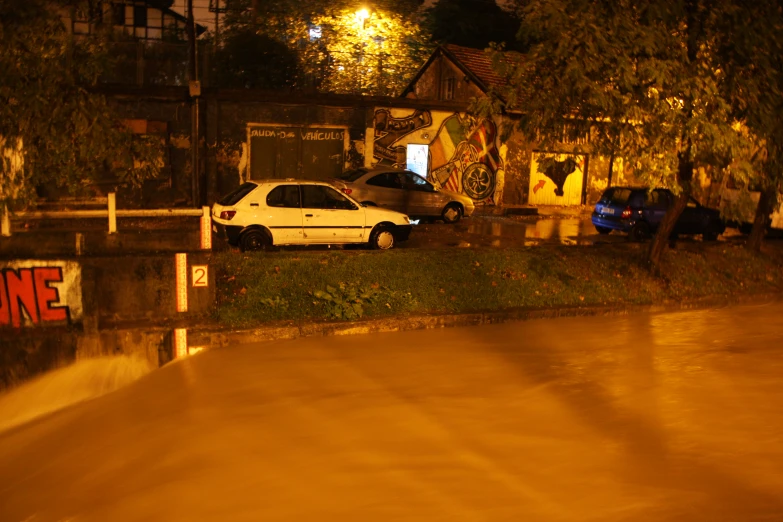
566,231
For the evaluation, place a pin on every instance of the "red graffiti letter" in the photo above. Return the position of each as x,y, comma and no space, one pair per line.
47,295
21,294
5,315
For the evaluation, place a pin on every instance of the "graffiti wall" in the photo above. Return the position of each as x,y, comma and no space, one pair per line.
557,179
39,293
463,153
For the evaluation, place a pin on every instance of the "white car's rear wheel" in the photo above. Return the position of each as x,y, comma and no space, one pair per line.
253,240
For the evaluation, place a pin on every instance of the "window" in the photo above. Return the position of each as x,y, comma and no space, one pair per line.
118,14
618,196
318,196
415,182
285,196
448,88
386,180
140,16
353,175
237,194
657,199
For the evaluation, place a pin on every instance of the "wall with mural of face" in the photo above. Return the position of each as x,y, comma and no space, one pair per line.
464,153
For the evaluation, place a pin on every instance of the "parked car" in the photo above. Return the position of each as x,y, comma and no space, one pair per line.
639,211
299,212
403,191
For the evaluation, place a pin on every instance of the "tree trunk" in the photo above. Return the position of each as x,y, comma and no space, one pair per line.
661,238
611,168
763,210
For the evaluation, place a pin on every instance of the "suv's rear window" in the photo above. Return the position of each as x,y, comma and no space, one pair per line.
616,196
233,197
353,175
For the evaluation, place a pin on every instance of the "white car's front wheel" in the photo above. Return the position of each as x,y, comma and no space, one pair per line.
382,238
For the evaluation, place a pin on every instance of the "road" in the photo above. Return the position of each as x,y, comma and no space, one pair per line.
646,417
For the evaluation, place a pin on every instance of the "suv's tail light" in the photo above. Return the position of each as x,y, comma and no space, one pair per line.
626,213
347,191
227,214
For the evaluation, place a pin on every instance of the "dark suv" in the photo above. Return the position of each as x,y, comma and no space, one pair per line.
639,211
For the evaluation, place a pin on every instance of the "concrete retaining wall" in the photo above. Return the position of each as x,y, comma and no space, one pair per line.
128,305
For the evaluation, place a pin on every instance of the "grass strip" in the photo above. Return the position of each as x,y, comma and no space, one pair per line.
263,287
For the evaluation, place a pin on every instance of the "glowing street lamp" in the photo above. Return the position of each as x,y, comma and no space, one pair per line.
361,16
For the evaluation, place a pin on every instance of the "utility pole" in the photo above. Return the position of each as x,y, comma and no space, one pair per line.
194,88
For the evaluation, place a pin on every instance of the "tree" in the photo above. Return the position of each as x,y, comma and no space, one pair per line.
250,60
472,23
753,64
62,132
341,46
643,78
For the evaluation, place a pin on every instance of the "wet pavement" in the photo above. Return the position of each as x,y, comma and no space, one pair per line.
487,231
646,417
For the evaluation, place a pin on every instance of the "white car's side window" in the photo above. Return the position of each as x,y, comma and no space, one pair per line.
286,196
318,196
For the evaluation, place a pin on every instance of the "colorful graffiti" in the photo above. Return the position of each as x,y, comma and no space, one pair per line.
34,293
556,179
463,152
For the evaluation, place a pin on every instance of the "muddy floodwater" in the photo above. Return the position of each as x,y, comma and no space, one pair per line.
638,418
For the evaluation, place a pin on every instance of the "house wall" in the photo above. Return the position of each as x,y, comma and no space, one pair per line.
134,18
245,138
464,153
434,81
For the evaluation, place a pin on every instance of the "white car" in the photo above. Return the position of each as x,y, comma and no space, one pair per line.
300,212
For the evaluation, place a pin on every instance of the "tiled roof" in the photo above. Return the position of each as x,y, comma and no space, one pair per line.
478,62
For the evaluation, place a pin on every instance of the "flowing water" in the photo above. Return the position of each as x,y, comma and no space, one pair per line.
58,389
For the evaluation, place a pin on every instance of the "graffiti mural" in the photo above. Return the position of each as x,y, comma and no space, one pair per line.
556,179
463,151
39,293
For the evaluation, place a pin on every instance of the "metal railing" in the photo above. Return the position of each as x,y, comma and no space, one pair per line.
112,213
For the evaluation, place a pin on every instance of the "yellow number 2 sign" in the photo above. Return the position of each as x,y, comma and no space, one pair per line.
200,275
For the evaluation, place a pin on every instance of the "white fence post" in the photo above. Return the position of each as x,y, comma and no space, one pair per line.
6,222
112,213
206,229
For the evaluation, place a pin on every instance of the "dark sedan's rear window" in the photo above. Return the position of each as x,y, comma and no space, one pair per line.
233,197
616,196
353,175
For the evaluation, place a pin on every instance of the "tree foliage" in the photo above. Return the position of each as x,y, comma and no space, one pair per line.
753,63
472,23
64,134
339,49
644,79
250,60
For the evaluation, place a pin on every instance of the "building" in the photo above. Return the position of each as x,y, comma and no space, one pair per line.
515,171
139,19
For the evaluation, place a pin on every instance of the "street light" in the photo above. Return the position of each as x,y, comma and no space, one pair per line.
362,15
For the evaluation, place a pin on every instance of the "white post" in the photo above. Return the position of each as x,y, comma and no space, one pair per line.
6,222
112,213
206,229
369,146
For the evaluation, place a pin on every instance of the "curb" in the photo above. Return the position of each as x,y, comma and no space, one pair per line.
222,337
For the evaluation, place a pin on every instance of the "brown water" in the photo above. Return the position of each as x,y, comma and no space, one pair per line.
646,417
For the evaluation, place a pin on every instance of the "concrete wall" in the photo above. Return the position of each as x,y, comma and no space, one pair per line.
124,305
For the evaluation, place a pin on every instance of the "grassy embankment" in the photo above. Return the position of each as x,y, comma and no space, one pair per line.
318,285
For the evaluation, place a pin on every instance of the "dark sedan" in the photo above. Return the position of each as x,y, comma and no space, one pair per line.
639,211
